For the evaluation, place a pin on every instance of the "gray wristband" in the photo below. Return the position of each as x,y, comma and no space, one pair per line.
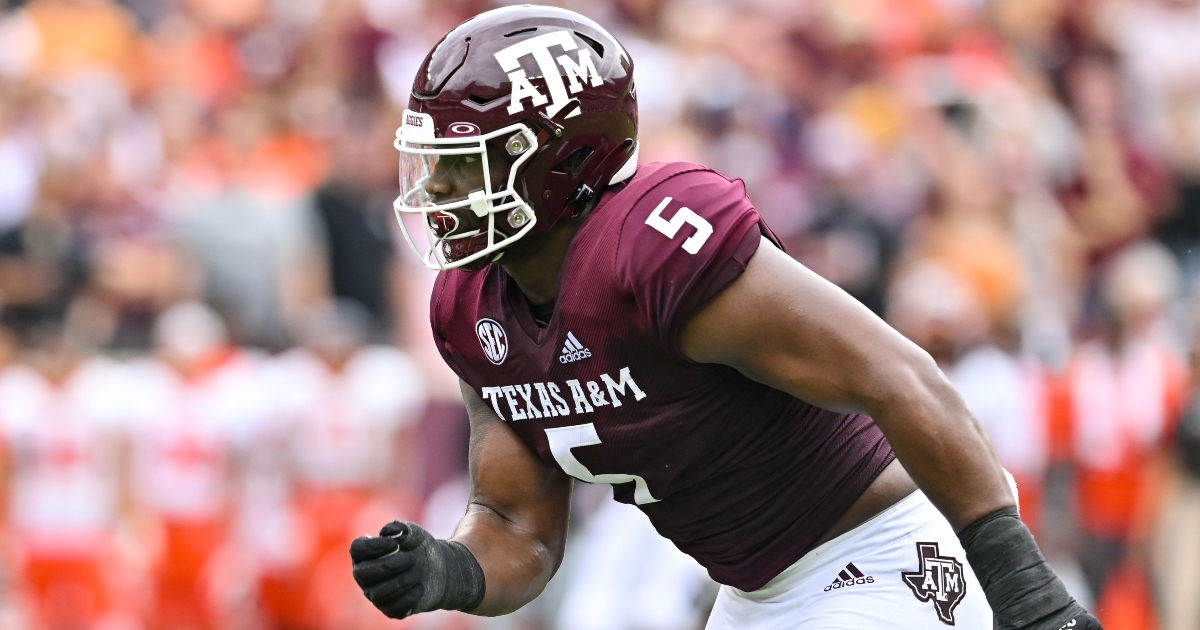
464,578
1020,587
453,579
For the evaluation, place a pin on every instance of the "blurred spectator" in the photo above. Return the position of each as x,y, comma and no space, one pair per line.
1126,391
1119,191
82,36
349,410
19,167
247,223
1180,227
1007,394
354,209
41,261
968,229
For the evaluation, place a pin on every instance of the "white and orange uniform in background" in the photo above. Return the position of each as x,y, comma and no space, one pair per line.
63,446
1123,405
343,431
182,472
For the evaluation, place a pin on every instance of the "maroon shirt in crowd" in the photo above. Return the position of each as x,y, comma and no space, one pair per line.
742,477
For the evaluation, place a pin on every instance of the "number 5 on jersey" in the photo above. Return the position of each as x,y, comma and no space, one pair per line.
563,439
670,228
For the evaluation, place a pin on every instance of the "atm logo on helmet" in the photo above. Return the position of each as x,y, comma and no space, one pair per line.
577,71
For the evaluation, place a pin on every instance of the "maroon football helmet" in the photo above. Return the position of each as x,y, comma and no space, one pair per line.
518,118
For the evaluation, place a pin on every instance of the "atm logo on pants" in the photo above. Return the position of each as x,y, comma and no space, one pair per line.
938,579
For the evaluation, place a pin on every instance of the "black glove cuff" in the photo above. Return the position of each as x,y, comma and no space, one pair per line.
1021,588
464,578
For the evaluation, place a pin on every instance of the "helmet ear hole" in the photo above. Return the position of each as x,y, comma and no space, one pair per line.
572,165
595,45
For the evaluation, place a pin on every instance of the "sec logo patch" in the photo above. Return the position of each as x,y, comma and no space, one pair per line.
493,340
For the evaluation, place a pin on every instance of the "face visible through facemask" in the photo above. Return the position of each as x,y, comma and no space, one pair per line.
464,187
456,178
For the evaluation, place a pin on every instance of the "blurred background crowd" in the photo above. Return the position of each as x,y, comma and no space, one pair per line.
215,366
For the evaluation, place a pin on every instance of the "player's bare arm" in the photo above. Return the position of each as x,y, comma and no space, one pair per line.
516,521
515,527
783,325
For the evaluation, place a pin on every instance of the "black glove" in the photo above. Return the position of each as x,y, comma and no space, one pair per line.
405,571
1021,588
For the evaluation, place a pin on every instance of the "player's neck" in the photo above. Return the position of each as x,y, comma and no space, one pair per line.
535,264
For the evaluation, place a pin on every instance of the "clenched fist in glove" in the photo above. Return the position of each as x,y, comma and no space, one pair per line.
405,571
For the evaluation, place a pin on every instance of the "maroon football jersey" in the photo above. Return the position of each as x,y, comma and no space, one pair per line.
742,477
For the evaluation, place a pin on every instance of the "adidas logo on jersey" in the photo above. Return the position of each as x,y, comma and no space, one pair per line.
573,350
850,576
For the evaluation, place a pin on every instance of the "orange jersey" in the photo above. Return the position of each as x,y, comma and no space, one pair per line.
63,440
1122,406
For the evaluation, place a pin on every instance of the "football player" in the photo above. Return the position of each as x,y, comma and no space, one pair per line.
64,426
190,409
347,408
641,326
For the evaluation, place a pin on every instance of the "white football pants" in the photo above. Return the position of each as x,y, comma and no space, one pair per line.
902,570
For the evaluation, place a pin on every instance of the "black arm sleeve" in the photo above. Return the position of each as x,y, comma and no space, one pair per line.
1023,591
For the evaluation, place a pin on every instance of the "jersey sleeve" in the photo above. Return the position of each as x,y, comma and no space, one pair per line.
683,242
